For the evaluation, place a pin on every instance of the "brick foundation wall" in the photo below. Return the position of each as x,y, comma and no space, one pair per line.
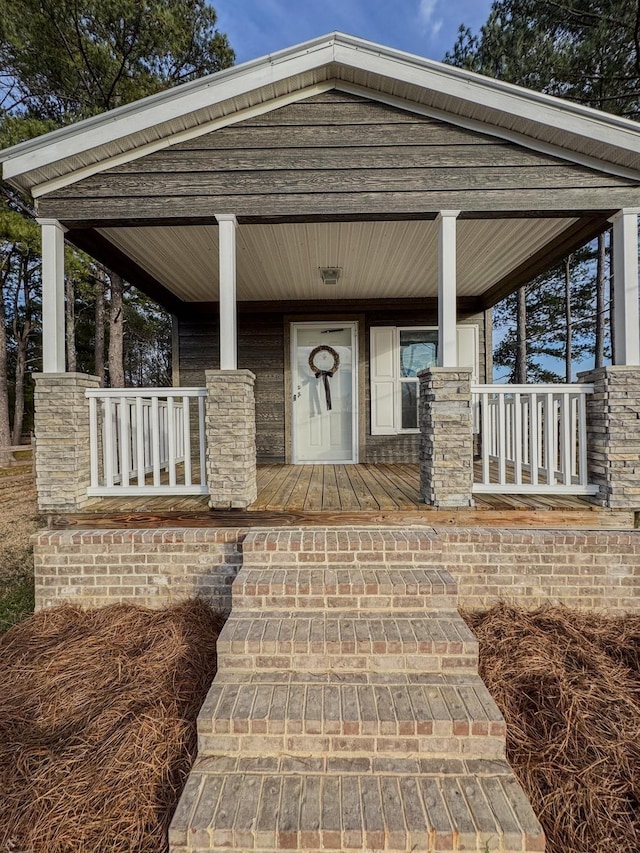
590,569
152,568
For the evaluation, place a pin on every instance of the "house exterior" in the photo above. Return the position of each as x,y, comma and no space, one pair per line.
330,227
337,191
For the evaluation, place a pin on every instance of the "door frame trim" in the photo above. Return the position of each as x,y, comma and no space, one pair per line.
355,383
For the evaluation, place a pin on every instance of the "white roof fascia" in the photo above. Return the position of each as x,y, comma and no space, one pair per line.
574,157
465,86
495,94
115,124
483,82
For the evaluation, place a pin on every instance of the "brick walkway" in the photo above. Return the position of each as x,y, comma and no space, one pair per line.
347,713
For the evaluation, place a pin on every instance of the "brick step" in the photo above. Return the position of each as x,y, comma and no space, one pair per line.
372,587
347,641
350,719
330,546
271,809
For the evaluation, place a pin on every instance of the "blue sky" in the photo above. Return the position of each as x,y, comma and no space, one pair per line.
425,27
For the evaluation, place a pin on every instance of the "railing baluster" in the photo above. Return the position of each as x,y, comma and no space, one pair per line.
575,435
93,439
582,440
517,439
156,439
203,445
534,436
186,441
171,430
549,438
107,444
485,437
565,442
502,467
124,441
140,437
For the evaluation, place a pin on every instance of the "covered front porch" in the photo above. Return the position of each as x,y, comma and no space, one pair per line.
452,441
330,229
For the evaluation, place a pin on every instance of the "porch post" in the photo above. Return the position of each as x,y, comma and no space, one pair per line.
53,323
227,295
625,283
447,252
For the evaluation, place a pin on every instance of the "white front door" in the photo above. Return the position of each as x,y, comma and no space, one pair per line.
323,380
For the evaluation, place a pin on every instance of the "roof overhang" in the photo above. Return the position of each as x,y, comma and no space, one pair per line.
578,133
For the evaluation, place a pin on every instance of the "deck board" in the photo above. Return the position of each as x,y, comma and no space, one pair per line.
345,494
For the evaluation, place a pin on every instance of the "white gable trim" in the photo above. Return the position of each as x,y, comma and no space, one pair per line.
491,130
319,88
183,136
215,89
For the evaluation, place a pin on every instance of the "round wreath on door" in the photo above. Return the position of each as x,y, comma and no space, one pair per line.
320,372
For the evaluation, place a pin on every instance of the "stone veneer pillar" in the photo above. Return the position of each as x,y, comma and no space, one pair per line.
613,435
446,437
230,425
61,421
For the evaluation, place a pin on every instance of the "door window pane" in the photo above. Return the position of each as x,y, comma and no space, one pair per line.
418,350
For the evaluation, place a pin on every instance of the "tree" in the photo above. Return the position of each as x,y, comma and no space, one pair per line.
62,61
587,51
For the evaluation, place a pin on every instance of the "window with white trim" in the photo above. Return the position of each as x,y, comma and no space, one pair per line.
397,355
417,349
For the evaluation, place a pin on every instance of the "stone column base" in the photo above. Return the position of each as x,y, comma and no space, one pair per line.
61,421
446,437
230,424
613,435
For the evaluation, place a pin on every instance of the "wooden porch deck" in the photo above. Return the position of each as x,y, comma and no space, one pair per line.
344,494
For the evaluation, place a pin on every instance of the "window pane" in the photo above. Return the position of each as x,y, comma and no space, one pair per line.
409,405
418,350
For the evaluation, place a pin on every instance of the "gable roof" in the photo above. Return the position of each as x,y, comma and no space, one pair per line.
580,134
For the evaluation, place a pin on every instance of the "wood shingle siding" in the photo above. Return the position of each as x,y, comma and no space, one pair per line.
337,154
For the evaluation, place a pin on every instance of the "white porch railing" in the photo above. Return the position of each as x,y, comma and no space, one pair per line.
533,438
147,441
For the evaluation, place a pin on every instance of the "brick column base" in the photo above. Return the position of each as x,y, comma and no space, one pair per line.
613,435
61,421
230,424
446,437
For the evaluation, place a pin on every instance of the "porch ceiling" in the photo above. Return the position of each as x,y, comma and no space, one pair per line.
378,259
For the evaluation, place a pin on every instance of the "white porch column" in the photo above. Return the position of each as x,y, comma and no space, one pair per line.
228,316
447,243
53,323
625,283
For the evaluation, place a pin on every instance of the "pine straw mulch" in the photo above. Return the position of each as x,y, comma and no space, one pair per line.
568,684
97,725
98,709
